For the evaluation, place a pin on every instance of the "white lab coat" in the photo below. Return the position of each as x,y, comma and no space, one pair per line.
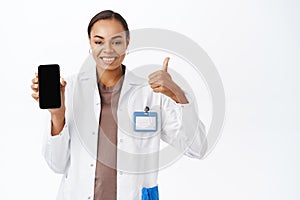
73,152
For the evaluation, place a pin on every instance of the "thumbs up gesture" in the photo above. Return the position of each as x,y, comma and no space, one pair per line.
161,81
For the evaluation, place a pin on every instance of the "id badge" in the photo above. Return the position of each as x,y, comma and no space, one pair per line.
145,121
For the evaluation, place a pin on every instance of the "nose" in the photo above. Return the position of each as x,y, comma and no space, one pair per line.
107,47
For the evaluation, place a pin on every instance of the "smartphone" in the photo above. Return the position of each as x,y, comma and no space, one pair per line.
49,86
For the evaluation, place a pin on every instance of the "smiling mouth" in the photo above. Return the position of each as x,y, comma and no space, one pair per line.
108,60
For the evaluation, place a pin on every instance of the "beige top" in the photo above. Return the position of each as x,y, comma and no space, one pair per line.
106,174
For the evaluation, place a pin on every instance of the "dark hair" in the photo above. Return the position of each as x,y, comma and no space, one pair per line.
108,14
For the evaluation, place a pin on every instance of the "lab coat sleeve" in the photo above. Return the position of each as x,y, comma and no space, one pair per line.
182,128
56,149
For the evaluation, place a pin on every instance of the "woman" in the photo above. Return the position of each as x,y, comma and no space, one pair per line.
115,157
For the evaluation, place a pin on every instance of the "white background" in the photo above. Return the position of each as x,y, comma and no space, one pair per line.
255,46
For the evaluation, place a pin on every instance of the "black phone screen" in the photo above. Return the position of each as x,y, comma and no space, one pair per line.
49,86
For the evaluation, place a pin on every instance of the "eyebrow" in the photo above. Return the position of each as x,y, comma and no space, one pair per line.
115,37
97,36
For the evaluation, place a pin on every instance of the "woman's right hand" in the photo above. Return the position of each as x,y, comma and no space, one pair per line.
57,114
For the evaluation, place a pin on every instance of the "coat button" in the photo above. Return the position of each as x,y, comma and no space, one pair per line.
121,140
93,133
89,197
121,173
92,165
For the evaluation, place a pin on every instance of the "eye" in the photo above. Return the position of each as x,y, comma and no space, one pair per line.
117,42
98,42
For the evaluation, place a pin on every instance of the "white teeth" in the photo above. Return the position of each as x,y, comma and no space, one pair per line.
108,60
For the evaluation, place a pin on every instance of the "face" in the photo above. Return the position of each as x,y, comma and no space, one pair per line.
108,43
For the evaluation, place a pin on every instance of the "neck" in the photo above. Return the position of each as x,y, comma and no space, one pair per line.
109,77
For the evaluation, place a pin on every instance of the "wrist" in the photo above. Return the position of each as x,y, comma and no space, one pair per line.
179,97
57,123
57,112
57,117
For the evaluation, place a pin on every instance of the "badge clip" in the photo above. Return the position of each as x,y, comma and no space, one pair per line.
146,110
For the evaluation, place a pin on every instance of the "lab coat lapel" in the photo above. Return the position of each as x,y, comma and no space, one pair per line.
85,118
131,81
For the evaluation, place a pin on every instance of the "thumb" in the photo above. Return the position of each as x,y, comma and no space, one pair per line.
63,82
165,65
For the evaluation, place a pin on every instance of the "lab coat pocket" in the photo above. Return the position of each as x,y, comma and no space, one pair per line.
150,193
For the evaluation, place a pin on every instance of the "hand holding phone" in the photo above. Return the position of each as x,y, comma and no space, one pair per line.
49,88
57,114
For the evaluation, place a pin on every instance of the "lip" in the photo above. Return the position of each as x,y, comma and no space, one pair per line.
108,59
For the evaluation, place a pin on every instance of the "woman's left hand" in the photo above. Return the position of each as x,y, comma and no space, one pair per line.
161,81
